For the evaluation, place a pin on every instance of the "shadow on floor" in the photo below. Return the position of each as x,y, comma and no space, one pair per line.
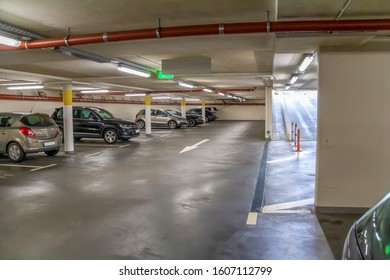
335,228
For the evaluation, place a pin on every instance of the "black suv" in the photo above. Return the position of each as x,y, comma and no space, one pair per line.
94,122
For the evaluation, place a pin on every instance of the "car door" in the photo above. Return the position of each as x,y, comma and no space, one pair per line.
161,118
153,117
90,123
4,132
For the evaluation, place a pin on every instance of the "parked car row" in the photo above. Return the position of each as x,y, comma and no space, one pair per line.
24,133
173,119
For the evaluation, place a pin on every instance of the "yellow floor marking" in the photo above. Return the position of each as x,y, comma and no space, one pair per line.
43,167
17,165
252,218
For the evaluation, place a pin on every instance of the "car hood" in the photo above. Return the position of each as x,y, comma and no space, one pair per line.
373,231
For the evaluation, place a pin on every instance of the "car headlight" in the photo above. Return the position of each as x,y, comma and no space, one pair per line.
125,126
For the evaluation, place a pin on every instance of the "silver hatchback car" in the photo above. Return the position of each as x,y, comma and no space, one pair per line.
160,118
24,133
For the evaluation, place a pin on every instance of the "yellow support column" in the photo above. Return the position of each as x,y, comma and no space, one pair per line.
183,107
68,119
148,119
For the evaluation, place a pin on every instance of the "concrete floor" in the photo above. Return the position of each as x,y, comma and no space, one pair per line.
144,199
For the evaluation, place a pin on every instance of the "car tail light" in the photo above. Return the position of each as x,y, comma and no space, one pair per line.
27,131
58,132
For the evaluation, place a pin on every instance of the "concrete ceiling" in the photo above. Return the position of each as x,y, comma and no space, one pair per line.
237,61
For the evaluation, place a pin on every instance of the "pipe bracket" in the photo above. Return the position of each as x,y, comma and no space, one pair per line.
66,41
221,29
105,37
158,32
268,26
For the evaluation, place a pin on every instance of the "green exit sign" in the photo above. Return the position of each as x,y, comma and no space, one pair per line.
160,75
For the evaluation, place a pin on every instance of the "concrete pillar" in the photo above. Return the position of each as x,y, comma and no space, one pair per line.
268,113
148,124
204,110
353,150
183,107
68,119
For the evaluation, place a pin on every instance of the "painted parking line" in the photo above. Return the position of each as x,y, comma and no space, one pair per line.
120,147
94,145
94,154
298,211
252,218
279,207
20,165
8,175
43,167
164,135
2,177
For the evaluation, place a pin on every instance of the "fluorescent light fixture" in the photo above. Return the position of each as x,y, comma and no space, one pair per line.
134,71
9,41
192,99
235,97
243,99
287,86
220,93
95,91
207,90
19,84
305,63
176,98
135,94
161,97
25,87
294,78
85,88
183,84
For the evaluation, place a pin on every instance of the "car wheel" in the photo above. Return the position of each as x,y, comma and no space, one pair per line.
110,136
52,153
15,152
191,123
172,124
141,124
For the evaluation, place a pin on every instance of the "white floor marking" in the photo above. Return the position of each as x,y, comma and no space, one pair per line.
287,205
8,175
94,145
252,218
2,177
189,148
43,167
164,135
283,159
94,154
299,211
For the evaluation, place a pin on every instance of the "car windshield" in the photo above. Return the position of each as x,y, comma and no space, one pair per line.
37,120
105,115
174,113
373,231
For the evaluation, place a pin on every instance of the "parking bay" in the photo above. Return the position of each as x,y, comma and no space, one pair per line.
138,199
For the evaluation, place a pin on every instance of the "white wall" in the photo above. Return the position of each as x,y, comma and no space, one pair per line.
353,153
128,111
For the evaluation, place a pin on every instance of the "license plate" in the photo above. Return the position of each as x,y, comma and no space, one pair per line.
47,144
137,131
